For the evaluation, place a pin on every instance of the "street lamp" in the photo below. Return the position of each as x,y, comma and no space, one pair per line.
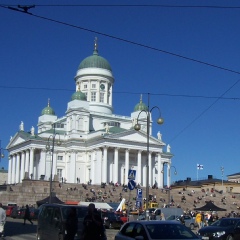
222,170
137,127
49,149
1,151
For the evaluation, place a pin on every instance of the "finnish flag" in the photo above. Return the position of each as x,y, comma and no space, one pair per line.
199,166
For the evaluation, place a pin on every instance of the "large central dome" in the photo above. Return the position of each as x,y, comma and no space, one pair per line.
95,61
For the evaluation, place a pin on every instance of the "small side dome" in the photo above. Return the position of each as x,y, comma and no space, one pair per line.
79,96
95,61
140,106
48,110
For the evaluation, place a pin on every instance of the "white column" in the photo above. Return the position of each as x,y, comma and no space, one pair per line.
160,174
92,176
42,163
54,169
72,177
139,168
150,168
14,169
104,169
126,166
31,161
115,175
10,170
98,167
22,166
17,168
27,162
168,175
122,174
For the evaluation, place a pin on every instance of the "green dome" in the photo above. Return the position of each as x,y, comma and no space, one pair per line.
95,61
140,106
79,96
48,110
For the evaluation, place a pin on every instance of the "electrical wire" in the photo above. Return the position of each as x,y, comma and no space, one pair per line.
121,92
131,5
125,40
204,111
148,47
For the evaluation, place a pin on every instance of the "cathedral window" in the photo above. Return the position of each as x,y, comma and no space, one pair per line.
59,125
60,158
86,94
93,96
80,124
93,85
85,86
102,97
59,173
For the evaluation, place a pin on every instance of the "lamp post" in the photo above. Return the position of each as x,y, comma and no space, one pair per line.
137,127
49,149
1,151
222,170
169,174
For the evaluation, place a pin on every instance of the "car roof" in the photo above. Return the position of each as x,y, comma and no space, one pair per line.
146,222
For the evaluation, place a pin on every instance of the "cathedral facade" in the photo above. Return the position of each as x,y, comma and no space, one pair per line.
90,143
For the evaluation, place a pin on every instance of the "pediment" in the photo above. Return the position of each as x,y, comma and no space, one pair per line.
17,139
135,137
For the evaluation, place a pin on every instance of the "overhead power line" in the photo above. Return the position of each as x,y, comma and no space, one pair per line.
204,111
119,92
124,40
131,5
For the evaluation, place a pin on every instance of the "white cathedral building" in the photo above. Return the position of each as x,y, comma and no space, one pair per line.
90,141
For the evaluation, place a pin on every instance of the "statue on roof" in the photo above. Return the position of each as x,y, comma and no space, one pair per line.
21,126
168,148
107,128
32,131
159,135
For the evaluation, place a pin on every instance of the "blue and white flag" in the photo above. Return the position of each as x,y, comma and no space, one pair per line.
199,167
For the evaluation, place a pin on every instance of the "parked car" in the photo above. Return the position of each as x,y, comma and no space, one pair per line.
52,221
189,220
111,220
17,212
34,213
148,230
222,229
9,210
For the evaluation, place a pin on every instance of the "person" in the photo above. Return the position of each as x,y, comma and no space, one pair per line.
27,215
2,220
71,224
182,219
92,225
162,216
198,220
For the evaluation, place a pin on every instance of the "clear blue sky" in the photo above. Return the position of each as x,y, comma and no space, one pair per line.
39,59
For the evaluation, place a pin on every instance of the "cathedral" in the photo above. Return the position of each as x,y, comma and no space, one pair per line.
90,142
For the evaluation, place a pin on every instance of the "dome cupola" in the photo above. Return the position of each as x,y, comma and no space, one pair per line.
78,95
140,106
95,61
48,110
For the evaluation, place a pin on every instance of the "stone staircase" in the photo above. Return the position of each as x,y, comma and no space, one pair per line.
31,191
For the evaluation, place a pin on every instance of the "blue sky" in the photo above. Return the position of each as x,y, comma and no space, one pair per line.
39,59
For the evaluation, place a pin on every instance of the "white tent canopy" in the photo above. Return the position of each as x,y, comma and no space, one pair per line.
98,205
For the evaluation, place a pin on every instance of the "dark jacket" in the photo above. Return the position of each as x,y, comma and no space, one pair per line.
93,226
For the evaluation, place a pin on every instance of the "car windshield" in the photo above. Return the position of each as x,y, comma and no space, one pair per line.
81,212
225,222
169,231
172,217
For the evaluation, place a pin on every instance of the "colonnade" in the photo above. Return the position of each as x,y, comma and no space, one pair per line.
103,164
20,163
